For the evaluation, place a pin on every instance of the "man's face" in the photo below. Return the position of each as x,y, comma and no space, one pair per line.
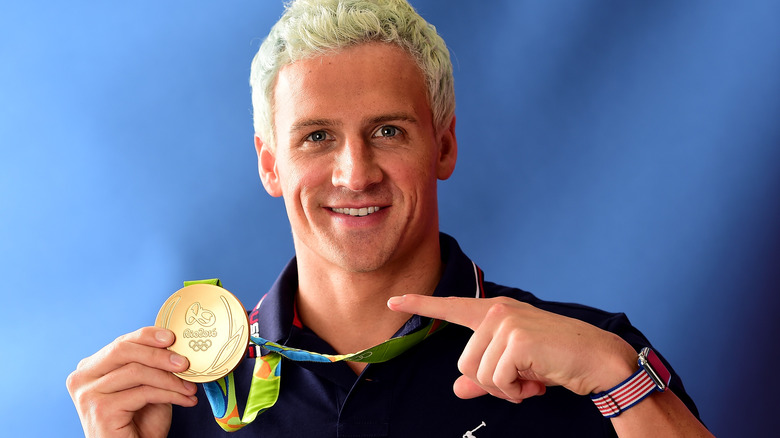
357,157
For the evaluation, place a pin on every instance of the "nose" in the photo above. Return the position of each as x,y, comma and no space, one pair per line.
355,166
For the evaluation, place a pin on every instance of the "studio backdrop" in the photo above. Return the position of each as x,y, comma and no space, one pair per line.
624,155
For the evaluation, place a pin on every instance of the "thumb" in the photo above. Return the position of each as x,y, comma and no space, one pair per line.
465,388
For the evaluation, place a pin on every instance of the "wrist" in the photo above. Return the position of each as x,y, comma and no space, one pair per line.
619,365
651,376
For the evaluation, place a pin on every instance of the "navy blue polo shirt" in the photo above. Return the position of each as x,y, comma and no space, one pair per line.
410,395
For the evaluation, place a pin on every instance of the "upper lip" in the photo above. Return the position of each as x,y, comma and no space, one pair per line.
356,203
362,205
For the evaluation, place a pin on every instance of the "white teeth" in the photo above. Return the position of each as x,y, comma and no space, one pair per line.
365,211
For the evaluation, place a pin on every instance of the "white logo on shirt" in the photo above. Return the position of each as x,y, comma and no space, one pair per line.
470,433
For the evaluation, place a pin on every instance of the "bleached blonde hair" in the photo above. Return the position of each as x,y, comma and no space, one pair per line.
315,27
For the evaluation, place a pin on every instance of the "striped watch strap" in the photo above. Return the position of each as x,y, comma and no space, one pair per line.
651,376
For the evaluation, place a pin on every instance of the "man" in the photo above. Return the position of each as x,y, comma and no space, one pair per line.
354,121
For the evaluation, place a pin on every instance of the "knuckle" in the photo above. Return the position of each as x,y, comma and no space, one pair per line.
161,358
145,332
148,394
84,400
499,310
116,347
485,377
132,336
133,372
97,407
72,382
466,366
122,338
517,341
82,364
130,375
145,392
506,300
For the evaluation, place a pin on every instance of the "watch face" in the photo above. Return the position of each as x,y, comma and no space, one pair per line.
655,368
211,328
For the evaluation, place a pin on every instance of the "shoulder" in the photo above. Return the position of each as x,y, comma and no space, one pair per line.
614,322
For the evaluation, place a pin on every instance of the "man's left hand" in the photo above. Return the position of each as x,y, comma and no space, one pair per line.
517,349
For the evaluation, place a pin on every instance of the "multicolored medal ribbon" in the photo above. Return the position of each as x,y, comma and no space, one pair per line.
264,389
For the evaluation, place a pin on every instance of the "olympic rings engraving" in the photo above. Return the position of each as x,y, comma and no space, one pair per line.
200,345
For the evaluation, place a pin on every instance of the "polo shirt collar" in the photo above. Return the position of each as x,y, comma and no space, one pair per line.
276,310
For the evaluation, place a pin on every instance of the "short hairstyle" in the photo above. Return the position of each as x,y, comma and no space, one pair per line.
311,28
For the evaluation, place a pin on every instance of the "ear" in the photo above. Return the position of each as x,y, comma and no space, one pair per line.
448,151
266,167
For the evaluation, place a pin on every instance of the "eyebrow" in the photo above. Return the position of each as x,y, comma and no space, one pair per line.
307,123
404,117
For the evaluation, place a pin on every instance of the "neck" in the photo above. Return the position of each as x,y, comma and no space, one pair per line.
348,309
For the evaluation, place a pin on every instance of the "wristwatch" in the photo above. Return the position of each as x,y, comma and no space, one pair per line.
651,376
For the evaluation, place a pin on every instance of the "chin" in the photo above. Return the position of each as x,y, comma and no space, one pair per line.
357,262
361,266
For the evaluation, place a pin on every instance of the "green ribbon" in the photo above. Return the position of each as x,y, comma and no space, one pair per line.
264,389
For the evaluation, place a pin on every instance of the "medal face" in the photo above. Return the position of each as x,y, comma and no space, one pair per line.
211,328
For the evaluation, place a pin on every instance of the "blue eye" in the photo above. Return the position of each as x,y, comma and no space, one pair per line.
386,131
317,136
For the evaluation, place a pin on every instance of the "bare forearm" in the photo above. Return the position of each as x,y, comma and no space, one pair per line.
660,415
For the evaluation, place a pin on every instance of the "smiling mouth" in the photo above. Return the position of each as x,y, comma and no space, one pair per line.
365,211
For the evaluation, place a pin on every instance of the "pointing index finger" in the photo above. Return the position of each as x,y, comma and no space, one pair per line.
468,312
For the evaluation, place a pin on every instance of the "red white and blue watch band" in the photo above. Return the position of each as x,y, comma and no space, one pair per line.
651,376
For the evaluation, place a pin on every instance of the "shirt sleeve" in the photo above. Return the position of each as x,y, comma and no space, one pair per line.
617,323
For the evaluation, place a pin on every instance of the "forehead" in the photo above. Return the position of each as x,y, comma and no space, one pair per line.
351,83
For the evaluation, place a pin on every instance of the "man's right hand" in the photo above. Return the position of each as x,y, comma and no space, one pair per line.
126,389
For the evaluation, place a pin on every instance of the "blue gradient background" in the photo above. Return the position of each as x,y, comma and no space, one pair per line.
619,154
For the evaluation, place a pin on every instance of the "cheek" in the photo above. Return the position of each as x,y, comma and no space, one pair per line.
416,174
301,177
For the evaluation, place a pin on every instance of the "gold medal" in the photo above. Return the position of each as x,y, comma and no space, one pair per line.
211,328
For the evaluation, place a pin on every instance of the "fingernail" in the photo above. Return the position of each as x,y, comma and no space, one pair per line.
178,359
396,301
189,386
164,336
